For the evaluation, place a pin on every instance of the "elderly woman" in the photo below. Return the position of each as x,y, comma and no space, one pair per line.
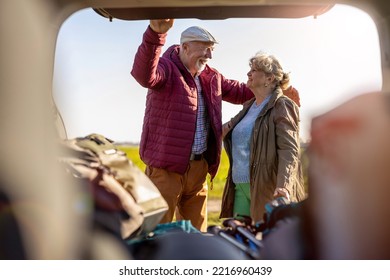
262,143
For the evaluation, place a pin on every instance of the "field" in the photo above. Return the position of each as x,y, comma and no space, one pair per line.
215,194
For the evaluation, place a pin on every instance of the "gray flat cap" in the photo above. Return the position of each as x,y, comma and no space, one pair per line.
196,33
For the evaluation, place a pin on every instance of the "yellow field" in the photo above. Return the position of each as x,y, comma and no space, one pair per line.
218,182
215,194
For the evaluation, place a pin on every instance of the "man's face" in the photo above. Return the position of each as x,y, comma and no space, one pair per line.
196,55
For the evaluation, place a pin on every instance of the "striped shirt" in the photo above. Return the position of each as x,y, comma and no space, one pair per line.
202,123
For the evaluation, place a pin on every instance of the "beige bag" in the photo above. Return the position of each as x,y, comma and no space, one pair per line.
138,196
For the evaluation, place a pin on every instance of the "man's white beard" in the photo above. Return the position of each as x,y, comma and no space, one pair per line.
200,66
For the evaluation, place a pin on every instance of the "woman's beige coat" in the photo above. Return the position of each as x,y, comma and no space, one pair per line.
274,155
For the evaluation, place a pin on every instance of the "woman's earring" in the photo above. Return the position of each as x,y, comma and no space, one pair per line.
266,84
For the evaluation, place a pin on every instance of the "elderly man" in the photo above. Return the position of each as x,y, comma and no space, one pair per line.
182,131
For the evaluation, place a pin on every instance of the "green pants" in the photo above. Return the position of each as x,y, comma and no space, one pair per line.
242,200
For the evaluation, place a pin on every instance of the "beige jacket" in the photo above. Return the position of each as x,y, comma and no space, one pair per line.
275,155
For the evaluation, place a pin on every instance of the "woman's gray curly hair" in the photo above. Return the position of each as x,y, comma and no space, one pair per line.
271,66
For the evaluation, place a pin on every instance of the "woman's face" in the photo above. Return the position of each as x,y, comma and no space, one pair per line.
257,79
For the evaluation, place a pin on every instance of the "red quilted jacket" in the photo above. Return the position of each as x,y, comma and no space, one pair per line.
293,94
171,104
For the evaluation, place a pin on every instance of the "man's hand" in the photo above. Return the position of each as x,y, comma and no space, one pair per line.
161,25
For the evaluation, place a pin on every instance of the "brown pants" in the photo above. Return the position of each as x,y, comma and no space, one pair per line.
187,192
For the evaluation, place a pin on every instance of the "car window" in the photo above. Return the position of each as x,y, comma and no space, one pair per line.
331,58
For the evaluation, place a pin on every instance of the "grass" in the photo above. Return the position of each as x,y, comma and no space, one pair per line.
215,193
213,219
132,153
218,182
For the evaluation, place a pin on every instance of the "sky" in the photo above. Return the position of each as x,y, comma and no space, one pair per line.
331,58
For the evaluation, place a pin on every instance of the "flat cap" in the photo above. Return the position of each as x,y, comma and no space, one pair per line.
196,33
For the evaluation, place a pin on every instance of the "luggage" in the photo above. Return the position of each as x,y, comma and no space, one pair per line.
180,240
252,237
96,159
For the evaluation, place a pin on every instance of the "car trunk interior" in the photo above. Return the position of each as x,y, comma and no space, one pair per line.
29,31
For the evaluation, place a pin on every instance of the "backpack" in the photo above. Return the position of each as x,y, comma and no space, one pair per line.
125,188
